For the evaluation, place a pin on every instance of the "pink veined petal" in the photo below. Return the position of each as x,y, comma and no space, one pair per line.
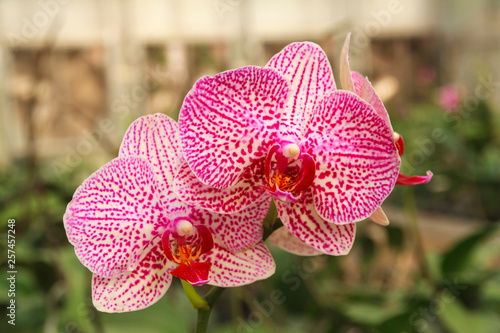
156,138
237,231
361,86
228,122
357,163
137,289
358,81
235,198
302,220
414,180
307,68
368,94
114,215
345,71
282,238
232,269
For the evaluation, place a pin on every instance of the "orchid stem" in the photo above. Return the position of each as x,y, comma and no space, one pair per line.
204,313
412,215
196,300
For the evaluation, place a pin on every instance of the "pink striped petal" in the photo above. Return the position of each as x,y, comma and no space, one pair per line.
239,268
368,94
156,138
357,81
361,86
414,180
235,198
302,220
237,231
290,243
229,121
138,289
307,68
357,163
114,215
346,81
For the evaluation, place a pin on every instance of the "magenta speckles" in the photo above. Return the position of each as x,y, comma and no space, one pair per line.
318,152
119,215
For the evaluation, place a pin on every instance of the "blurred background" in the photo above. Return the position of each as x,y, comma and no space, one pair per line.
74,74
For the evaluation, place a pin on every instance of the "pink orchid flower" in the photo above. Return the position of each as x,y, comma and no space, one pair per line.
361,86
449,97
129,228
283,131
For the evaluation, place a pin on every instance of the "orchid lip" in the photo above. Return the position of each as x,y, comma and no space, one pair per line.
288,170
184,246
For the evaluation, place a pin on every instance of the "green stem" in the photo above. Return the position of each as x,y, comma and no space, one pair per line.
204,313
412,216
196,300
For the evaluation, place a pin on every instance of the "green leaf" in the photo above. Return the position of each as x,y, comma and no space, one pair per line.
459,320
457,260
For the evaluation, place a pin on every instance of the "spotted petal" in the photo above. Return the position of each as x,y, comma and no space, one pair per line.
237,231
228,122
302,220
137,289
229,200
357,163
239,268
156,138
290,243
307,68
114,215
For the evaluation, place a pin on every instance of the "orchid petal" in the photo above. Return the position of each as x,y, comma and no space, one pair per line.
228,122
195,273
357,162
399,142
237,231
231,269
379,217
156,138
137,289
368,94
235,198
114,214
282,238
302,220
345,71
414,180
307,68
361,86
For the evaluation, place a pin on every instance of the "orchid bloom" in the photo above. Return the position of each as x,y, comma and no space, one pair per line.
283,131
129,228
361,86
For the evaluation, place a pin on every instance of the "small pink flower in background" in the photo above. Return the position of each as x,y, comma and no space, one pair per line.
355,82
283,131
449,97
129,228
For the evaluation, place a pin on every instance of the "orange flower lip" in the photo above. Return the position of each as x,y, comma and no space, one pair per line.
288,170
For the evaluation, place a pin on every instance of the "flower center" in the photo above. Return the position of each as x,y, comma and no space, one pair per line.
184,246
288,170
